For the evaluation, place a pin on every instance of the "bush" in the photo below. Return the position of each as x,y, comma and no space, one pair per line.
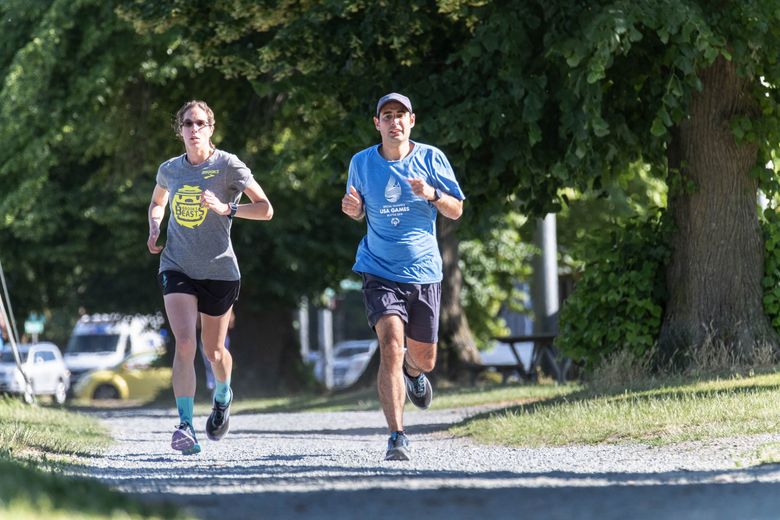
770,226
618,302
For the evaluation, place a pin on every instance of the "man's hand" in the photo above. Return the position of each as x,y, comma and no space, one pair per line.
352,204
422,189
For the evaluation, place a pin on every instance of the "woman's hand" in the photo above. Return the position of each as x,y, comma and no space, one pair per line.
154,234
210,201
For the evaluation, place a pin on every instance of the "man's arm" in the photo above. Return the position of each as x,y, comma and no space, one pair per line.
449,206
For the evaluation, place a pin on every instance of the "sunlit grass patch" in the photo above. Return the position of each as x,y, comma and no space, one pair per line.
25,428
666,414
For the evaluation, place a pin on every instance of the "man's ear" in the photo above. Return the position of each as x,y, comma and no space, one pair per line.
411,120
376,122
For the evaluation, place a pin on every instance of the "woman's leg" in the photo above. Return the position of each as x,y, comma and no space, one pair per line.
182,311
213,332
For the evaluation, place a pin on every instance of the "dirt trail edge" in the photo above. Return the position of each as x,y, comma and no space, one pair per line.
329,465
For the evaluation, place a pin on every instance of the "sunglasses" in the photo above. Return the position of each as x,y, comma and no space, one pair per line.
187,123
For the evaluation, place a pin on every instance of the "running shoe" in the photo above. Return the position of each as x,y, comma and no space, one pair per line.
397,447
218,422
418,390
184,440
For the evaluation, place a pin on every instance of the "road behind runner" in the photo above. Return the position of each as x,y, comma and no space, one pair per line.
329,465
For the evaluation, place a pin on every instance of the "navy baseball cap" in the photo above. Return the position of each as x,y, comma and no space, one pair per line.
393,96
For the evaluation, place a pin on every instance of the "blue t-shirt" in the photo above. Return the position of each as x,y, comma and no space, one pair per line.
400,244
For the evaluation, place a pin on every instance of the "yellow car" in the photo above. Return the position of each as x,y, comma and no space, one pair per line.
139,378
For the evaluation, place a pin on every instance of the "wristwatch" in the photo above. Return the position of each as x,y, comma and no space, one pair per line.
436,195
233,209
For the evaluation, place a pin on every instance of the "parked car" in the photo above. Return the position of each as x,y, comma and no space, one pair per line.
104,340
350,360
139,378
45,369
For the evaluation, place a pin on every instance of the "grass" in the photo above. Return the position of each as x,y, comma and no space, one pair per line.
32,431
670,412
37,441
445,397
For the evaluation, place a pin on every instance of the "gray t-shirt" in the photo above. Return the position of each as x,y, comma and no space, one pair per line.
198,242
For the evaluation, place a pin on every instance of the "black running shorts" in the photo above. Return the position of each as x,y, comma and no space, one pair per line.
215,297
416,304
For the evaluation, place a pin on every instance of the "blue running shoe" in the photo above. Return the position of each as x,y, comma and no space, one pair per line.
184,440
397,447
418,390
218,422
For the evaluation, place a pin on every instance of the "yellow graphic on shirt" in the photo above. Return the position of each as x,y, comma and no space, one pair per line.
186,207
207,174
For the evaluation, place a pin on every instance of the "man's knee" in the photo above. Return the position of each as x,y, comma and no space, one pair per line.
391,347
424,362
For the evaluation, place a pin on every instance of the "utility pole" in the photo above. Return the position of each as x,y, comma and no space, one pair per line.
325,323
544,293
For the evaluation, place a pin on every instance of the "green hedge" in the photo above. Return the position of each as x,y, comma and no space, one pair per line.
618,302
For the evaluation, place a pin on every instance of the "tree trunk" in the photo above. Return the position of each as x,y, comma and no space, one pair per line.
265,350
714,277
456,343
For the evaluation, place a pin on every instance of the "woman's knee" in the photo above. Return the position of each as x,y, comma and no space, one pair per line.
216,355
186,347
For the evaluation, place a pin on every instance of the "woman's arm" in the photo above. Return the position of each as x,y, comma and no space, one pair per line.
156,214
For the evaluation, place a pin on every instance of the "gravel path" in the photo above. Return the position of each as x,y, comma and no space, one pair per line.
329,465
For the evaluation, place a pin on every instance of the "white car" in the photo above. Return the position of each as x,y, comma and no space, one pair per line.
350,360
101,341
45,369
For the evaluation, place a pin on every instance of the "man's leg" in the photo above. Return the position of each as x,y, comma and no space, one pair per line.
182,311
213,335
390,382
420,357
422,324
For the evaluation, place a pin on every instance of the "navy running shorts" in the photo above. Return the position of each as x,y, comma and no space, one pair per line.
215,297
416,304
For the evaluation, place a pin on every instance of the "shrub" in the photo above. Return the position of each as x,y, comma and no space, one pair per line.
618,302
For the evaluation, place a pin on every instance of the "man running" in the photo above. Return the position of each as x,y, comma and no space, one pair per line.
400,186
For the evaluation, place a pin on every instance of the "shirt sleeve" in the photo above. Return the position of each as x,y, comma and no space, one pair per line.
240,174
444,176
162,178
354,179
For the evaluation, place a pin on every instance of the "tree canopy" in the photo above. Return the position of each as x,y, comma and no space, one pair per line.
532,97
528,99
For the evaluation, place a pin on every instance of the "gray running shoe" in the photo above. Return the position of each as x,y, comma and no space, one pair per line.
218,422
184,439
418,390
397,447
